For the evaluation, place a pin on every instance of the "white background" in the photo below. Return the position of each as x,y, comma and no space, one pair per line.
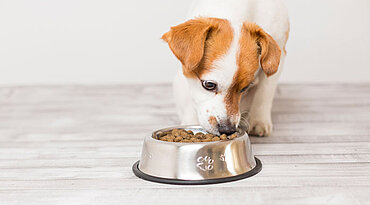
118,41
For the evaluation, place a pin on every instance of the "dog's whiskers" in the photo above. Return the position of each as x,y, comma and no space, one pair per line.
243,124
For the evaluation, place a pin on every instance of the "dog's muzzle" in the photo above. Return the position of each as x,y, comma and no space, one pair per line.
226,127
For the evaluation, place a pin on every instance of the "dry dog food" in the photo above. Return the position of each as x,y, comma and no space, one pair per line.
180,135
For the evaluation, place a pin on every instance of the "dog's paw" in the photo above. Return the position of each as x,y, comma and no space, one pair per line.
259,128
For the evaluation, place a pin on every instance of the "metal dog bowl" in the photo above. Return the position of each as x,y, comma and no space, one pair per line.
196,162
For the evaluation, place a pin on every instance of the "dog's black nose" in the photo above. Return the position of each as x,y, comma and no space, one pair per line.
226,128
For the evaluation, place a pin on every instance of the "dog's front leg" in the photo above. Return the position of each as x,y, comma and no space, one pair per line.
259,116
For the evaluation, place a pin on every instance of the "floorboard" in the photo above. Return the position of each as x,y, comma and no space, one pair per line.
76,145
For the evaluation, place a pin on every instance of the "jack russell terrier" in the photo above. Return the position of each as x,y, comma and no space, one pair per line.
232,53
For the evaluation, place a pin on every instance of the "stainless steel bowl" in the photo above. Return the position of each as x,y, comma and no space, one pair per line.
196,162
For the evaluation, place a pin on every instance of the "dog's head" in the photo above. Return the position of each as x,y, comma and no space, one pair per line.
220,62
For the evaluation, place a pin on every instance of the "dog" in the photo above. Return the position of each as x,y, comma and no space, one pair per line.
232,54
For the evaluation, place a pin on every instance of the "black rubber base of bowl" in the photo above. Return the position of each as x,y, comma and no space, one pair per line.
140,174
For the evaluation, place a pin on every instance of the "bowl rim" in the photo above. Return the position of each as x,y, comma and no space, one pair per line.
240,132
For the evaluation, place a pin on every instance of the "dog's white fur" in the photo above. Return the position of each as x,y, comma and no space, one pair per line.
195,105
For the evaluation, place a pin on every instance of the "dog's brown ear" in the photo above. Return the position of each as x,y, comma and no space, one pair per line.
269,49
187,42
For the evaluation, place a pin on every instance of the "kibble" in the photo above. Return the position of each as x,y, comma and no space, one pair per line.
233,136
178,139
223,137
216,139
181,135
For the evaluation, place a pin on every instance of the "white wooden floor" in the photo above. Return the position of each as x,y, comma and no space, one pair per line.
76,144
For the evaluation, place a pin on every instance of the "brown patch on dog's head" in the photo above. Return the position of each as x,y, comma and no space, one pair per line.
197,43
212,121
232,100
253,43
270,51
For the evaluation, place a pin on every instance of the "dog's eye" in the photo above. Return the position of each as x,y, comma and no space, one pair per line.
246,88
209,85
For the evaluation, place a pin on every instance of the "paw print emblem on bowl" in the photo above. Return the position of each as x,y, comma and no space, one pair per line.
205,163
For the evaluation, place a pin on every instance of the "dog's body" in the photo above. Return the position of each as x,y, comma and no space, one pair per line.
216,110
